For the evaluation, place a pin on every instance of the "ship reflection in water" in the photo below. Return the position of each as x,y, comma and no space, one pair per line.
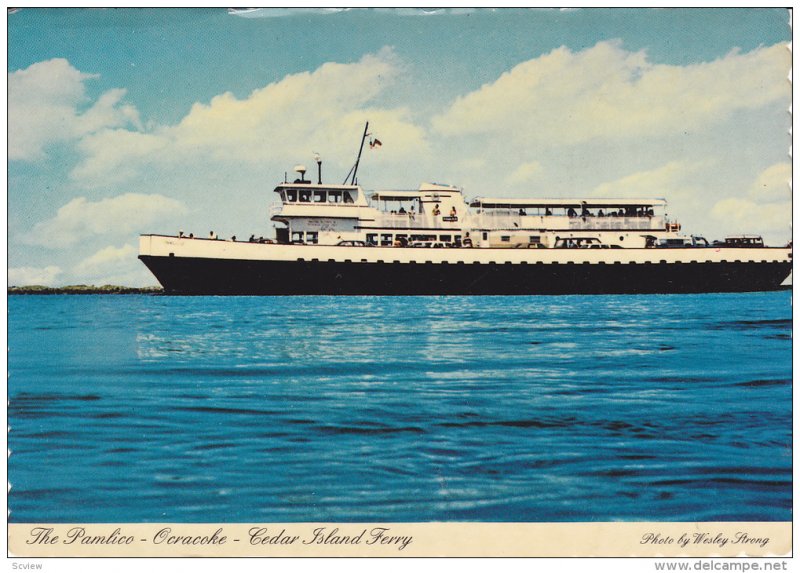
579,408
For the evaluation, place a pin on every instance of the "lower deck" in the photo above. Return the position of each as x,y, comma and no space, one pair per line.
252,277
203,266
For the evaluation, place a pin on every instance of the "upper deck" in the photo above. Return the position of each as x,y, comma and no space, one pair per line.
571,214
437,206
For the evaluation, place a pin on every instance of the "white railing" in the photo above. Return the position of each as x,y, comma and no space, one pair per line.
511,221
515,221
607,223
417,221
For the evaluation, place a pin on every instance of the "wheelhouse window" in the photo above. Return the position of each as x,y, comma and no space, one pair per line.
319,196
386,240
291,195
312,237
348,197
334,196
297,236
305,196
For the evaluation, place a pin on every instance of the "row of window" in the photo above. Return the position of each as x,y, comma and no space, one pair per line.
532,239
316,196
307,237
388,239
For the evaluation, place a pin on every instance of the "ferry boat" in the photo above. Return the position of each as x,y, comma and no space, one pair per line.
336,239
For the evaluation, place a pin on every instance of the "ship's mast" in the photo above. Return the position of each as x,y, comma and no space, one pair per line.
354,169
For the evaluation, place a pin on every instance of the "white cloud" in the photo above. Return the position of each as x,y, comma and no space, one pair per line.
673,180
743,215
44,107
706,205
767,208
30,276
606,92
81,218
525,172
115,266
773,184
111,155
281,122
110,256
329,103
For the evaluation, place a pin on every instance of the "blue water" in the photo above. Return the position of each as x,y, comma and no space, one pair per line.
206,409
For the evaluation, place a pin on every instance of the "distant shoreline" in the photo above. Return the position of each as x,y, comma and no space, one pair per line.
117,290
83,289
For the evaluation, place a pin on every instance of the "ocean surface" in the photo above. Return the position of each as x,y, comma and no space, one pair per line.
395,409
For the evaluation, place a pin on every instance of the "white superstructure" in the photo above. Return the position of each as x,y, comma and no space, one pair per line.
439,215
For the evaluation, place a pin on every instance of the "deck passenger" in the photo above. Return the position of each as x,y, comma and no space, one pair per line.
453,212
522,212
436,211
402,211
572,213
180,234
600,213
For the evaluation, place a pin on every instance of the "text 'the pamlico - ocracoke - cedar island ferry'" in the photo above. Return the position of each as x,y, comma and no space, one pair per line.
339,239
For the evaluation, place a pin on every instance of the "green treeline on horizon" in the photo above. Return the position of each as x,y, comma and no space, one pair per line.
83,289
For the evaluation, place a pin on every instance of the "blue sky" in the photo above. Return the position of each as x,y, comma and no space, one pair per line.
128,121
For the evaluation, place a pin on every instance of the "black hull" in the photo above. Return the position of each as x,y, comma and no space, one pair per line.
201,276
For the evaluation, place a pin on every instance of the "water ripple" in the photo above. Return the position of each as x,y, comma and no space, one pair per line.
655,408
